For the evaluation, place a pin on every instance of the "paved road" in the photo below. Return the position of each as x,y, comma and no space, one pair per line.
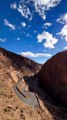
30,100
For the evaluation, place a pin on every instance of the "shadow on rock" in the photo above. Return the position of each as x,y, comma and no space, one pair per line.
45,101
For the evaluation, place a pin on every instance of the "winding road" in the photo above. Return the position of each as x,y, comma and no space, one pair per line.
30,100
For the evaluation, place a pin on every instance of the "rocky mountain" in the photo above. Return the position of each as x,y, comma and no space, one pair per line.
13,68
53,77
19,85
14,65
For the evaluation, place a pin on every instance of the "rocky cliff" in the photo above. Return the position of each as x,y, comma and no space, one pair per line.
53,77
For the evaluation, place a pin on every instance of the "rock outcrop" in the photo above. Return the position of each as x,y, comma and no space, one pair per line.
53,77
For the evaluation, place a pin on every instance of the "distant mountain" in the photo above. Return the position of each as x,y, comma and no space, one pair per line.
53,77
11,63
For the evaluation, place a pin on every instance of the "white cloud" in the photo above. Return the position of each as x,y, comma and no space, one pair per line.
7,23
2,40
28,35
65,48
18,39
22,9
13,5
25,11
50,41
62,19
34,55
63,32
39,6
47,24
23,24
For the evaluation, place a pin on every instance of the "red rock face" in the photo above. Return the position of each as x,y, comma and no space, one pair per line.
53,77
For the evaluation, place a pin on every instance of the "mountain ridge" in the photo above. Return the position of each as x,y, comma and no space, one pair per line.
19,62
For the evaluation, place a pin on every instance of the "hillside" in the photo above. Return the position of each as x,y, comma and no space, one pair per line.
11,62
21,98
12,69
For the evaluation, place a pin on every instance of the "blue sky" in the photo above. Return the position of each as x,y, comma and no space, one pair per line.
36,29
